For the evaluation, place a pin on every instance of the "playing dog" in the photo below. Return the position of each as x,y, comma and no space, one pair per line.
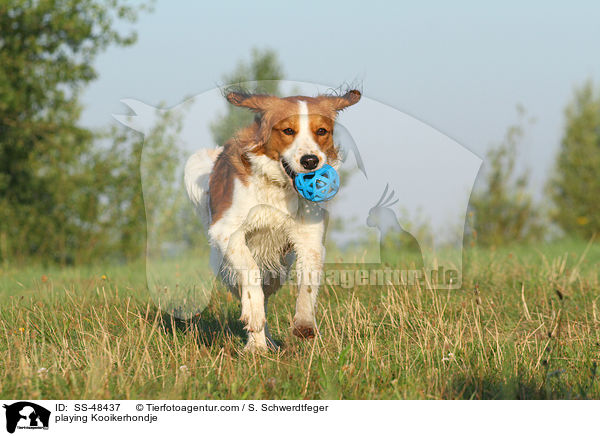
245,193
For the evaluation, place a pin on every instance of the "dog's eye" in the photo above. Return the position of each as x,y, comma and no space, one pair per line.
288,131
321,131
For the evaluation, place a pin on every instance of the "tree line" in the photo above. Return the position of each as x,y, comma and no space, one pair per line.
68,197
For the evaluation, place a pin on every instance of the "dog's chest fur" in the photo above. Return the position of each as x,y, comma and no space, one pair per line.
269,221
265,209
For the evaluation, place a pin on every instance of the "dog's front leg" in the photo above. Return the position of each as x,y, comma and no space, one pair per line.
242,265
307,238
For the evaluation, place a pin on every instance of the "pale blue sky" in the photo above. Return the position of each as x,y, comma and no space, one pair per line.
460,67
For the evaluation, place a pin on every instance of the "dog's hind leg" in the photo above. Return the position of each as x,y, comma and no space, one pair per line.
270,341
272,282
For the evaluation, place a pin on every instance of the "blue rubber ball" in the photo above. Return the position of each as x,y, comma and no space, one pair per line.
319,185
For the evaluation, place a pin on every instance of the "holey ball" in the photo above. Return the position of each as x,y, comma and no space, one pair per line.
319,185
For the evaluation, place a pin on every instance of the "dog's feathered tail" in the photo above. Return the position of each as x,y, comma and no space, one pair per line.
197,174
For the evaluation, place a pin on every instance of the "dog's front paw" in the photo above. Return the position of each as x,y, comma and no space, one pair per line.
256,347
304,328
253,315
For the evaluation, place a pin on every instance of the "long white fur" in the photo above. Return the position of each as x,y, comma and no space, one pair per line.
196,177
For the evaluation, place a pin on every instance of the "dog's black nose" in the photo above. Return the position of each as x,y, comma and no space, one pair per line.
309,161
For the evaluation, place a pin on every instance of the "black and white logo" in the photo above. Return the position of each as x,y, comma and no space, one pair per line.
26,415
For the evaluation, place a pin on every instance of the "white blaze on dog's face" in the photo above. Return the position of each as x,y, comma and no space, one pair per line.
295,133
305,154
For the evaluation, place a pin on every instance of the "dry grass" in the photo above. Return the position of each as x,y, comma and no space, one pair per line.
526,325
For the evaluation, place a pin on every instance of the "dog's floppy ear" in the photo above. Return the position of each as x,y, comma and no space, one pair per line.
340,102
255,102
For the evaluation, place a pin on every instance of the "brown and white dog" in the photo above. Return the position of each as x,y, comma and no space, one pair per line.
244,193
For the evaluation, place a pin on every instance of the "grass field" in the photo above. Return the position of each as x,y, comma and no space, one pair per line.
526,325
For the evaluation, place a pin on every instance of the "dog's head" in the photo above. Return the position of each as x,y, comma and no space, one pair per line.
295,133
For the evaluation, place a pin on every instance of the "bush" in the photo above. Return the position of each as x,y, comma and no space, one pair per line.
575,185
502,210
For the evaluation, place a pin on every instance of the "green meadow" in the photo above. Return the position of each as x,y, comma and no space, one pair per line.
525,326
